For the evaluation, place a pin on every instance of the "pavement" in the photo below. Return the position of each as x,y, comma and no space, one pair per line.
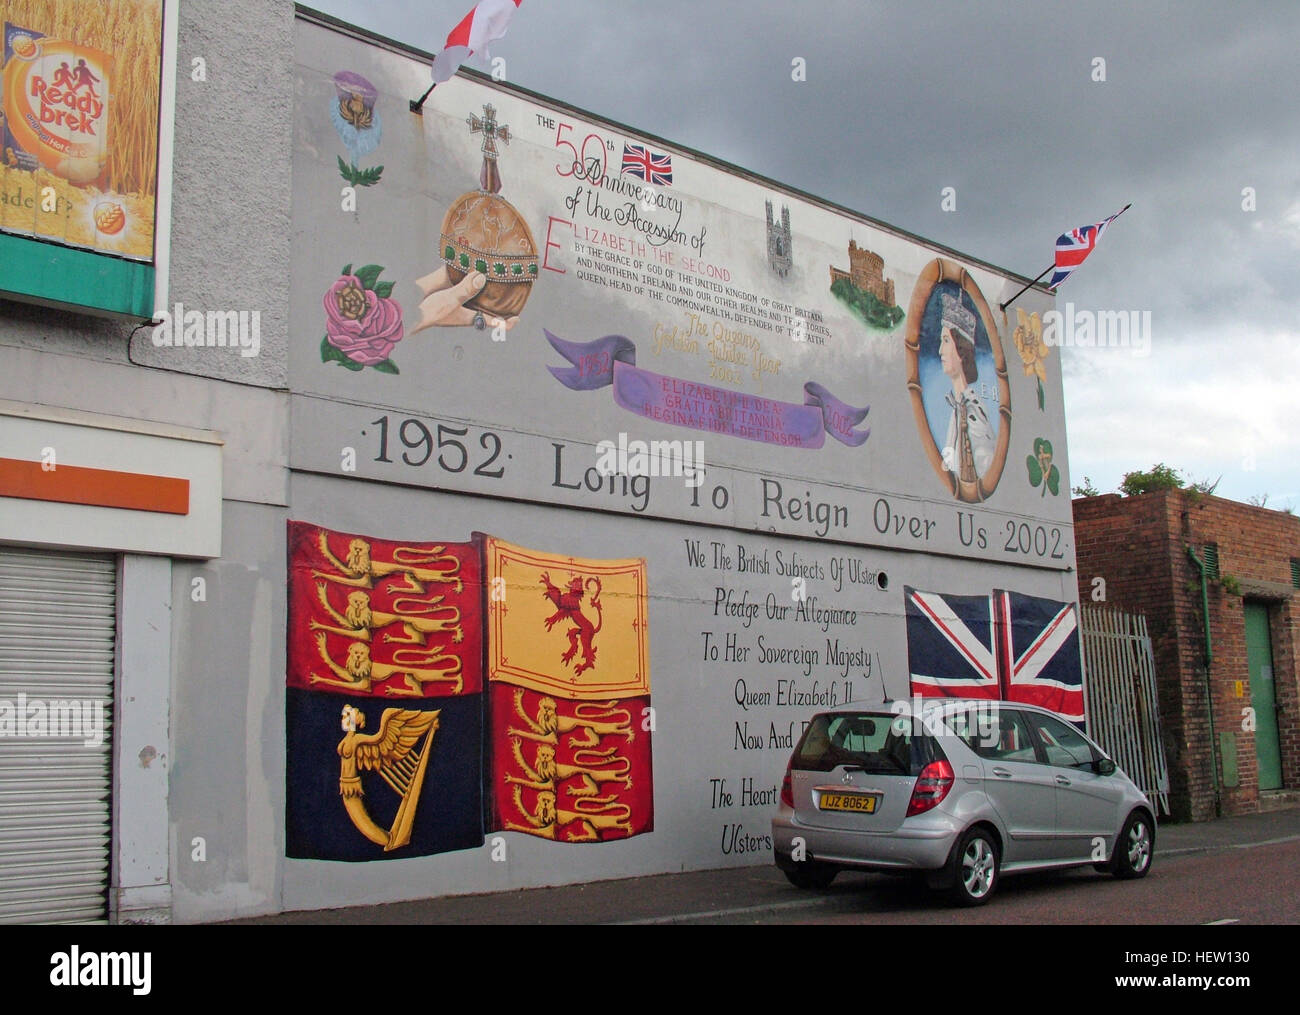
738,894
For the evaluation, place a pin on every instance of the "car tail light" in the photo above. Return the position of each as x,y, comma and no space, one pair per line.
932,785
787,790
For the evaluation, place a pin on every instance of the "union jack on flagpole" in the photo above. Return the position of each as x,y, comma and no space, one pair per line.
1073,248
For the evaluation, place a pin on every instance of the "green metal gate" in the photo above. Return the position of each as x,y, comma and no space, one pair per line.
1259,660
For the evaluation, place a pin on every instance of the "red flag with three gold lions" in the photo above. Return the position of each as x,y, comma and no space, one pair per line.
568,673
377,617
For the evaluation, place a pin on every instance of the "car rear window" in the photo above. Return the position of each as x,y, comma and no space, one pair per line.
873,741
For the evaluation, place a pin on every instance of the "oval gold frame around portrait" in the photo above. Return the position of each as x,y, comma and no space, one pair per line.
943,270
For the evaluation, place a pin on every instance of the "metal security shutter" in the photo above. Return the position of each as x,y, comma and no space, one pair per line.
58,624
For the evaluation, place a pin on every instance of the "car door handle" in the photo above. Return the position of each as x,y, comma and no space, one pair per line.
1002,773
1062,781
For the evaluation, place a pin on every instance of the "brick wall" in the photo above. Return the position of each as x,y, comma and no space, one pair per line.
1137,546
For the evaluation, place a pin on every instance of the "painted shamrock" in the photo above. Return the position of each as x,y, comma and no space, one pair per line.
1041,470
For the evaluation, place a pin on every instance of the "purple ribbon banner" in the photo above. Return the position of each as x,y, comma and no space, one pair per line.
612,361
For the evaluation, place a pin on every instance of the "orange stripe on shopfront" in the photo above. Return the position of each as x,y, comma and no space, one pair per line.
75,484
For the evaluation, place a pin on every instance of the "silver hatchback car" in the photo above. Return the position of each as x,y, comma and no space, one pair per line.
960,791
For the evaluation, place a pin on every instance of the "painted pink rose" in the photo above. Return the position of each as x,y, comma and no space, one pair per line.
360,324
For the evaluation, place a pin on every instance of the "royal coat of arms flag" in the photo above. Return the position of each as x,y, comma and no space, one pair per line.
384,710
568,675
438,689
1006,646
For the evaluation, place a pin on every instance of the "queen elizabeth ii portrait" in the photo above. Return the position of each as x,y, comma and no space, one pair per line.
956,374
968,447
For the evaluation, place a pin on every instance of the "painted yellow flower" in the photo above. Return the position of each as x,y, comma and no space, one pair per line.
1029,343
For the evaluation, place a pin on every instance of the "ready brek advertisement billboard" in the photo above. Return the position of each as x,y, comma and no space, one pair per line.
80,132
509,297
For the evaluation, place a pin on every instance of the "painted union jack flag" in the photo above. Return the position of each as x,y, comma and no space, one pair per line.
1073,248
1040,653
1006,646
641,162
950,645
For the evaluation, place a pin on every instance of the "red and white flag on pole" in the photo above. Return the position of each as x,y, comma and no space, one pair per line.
486,23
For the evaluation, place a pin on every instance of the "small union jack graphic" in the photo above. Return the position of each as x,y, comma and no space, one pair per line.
653,167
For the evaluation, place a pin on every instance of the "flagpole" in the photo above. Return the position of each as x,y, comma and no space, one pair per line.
418,107
1003,306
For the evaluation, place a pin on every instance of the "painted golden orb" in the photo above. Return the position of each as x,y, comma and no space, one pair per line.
483,232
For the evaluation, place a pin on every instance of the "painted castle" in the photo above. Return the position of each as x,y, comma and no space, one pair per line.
867,272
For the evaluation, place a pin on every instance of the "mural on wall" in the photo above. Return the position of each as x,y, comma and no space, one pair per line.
611,361
568,672
485,239
1041,470
957,377
79,102
396,748
385,689
604,285
780,241
359,126
363,323
1005,646
1034,352
865,290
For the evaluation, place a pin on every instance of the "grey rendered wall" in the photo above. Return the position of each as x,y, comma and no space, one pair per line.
230,210
227,778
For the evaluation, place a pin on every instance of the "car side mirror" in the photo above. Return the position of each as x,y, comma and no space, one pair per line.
1105,766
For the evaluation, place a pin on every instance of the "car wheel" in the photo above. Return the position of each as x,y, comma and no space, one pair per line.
975,868
812,876
1133,848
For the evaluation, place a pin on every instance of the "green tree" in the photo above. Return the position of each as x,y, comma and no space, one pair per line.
1160,477
1163,477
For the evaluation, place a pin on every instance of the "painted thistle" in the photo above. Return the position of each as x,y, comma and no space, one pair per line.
362,323
358,124
1041,470
1033,350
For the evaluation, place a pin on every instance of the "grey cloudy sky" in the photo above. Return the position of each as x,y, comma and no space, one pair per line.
997,99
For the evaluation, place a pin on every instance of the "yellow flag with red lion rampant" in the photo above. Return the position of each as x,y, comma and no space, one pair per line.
568,672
